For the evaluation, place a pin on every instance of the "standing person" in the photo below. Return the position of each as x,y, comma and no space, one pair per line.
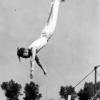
46,34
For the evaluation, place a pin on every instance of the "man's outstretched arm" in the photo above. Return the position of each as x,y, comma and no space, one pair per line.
32,61
39,64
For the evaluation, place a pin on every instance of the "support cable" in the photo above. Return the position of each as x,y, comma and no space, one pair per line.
95,95
83,79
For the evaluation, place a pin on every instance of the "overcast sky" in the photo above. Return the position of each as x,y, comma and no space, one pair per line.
72,52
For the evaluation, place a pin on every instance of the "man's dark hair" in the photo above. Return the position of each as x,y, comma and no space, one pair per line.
20,53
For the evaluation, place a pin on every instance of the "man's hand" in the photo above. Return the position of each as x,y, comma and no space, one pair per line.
31,76
45,73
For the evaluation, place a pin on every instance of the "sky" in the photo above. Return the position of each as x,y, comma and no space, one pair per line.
71,54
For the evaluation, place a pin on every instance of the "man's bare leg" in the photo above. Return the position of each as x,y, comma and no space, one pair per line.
52,19
51,9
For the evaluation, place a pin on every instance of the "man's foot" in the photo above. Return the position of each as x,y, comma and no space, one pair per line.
62,0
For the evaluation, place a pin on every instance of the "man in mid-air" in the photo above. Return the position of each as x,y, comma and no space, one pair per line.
46,34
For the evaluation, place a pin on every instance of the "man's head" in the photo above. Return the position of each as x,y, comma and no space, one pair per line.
24,53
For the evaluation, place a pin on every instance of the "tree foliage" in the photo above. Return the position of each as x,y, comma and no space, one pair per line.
12,90
88,91
31,91
65,91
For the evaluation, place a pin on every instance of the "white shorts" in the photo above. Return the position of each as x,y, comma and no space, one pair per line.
48,30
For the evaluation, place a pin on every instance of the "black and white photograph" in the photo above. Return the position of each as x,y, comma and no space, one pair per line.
49,50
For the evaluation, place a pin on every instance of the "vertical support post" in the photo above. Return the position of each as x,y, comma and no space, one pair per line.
95,79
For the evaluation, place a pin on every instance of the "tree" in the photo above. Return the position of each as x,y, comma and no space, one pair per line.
65,91
31,91
87,92
83,95
12,90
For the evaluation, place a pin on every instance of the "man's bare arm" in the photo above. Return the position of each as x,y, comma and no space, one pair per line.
39,64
